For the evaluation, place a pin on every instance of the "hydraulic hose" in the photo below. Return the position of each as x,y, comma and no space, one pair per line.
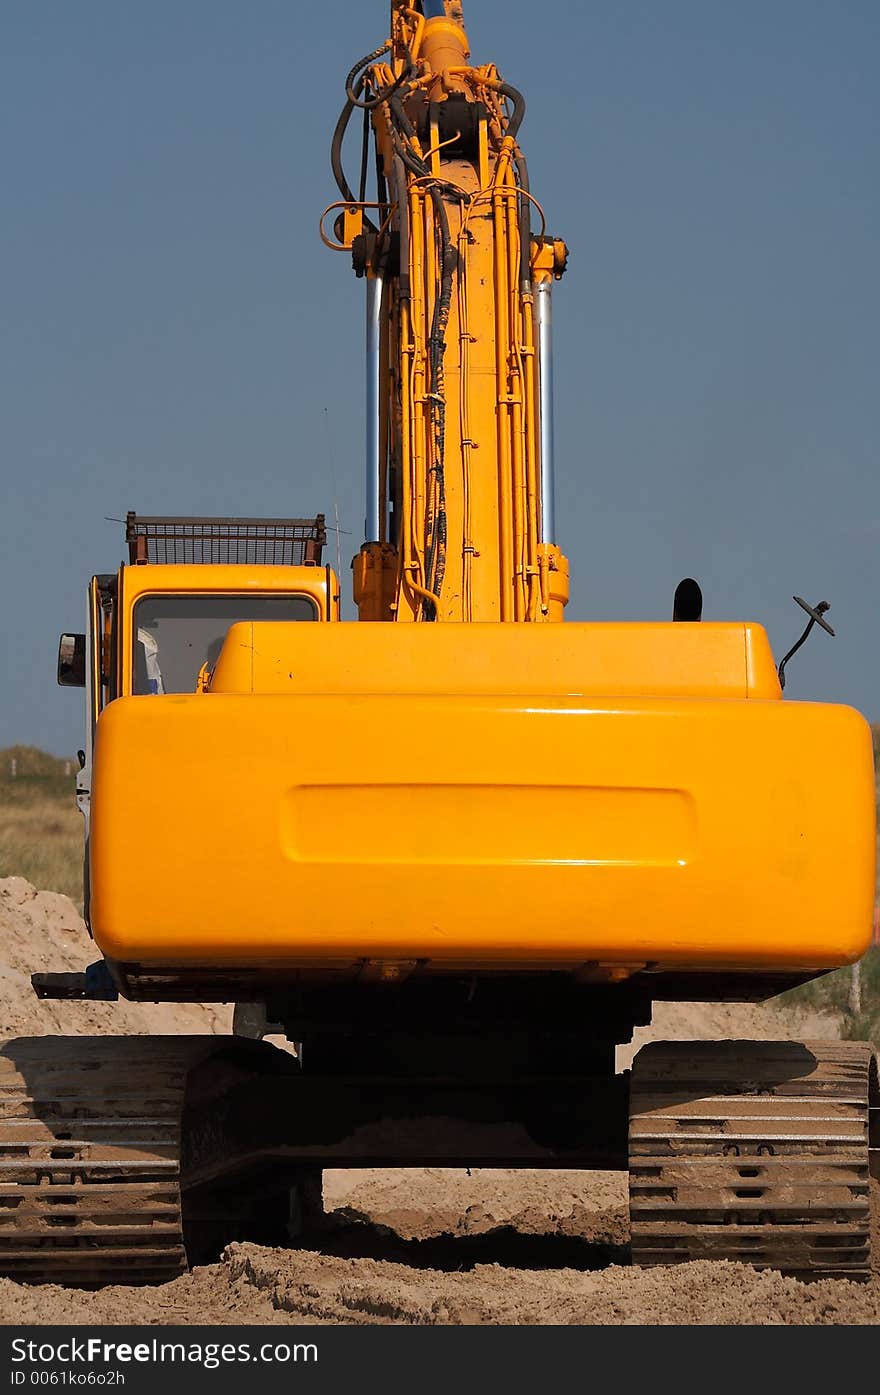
336,162
354,84
519,108
403,219
525,225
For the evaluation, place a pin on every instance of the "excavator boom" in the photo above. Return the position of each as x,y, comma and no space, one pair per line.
459,517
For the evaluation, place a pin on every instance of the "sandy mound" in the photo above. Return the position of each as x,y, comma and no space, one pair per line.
41,930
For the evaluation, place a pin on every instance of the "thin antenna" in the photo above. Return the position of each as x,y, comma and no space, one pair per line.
335,496
816,614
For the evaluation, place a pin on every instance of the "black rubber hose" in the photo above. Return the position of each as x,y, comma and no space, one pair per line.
401,118
418,167
403,149
336,153
515,119
365,158
354,85
336,162
437,530
403,218
436,568
381,185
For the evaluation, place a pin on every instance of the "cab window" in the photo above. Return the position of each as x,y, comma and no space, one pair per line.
175,635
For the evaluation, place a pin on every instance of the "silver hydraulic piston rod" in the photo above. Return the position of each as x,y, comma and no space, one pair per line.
544,321
375,287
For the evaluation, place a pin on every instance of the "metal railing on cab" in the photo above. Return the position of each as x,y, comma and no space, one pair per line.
274,542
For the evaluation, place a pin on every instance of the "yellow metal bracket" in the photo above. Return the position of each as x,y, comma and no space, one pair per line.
549,259
352,224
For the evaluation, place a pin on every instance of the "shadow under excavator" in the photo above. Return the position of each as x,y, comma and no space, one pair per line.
349,1235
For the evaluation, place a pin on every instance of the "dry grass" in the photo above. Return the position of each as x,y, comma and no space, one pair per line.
41,829
875,732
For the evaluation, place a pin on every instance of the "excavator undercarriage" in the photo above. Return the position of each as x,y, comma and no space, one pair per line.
123,1160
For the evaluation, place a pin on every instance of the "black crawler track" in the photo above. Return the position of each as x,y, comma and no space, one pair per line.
753,1151
90,1134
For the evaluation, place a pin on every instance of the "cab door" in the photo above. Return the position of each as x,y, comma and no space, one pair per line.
101,686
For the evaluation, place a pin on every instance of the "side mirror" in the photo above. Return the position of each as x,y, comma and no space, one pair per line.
72,661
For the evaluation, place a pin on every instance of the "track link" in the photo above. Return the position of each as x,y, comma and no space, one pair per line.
752,1151
90,1142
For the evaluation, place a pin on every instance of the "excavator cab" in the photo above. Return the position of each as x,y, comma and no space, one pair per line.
156,626
190,579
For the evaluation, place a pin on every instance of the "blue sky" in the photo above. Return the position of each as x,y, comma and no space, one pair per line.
174,338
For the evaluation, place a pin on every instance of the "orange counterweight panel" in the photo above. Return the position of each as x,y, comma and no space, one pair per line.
719,661
481,831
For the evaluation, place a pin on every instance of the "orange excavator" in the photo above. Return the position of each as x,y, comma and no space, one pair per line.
453,850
